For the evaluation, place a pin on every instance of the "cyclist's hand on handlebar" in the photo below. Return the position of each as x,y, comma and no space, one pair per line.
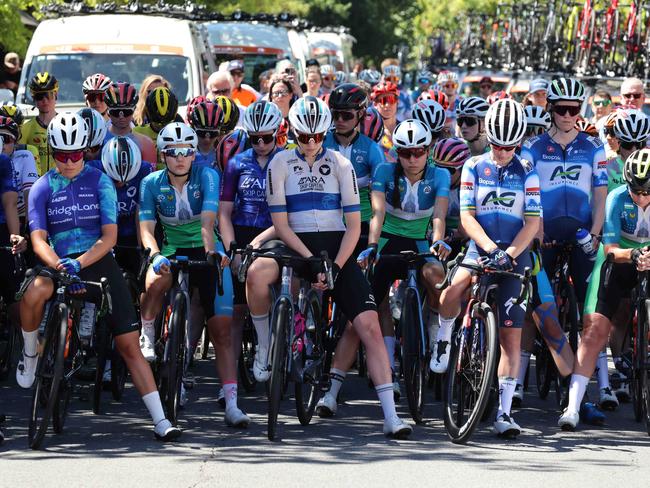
235,263
18,243
320,283
70,266
77,287
440,249
161,264
217,257
498,260
641,259
371,251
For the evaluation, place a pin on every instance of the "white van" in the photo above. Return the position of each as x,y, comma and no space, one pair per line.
124,47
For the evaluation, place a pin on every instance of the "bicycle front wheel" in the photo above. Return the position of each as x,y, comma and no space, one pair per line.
247,356
643,367
278,359
310,363
472,367
413,360
175,356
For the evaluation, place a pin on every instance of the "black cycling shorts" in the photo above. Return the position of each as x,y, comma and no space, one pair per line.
9,283
351,289
623,278
128,259
244,235
204,279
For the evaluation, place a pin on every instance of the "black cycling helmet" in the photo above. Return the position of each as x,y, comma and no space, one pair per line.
161,105
348,96
43,82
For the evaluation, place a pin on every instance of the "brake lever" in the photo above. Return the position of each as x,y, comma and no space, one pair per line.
243,266
327,266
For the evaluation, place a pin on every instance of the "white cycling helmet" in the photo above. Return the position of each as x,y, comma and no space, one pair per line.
68,132
96,83
537,117
445,76
505,123
370,76
341,77
430,113
631,126
310,115
327,69
566,89
262,116
472,107
96,126
177,133
411,133
121,159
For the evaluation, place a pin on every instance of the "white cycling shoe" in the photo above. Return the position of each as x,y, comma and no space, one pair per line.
568,420
506,426
146,346
165,431
261,371
608,400
440,357
326,406
236,418
26,370
396,428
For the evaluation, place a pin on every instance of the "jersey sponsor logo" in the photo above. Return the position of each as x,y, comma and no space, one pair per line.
572,173
62,198
506,199
160,198
86,195
487,172
88,207
126,208
297,170
197,194
550,149
252,182
131,191
427,190
311,183
549,157
485,182
324,170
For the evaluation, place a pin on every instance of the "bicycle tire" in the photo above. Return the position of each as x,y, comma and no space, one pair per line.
9,350
72,346
412,363
102,344
543,375
247,356
175,352
460,424
205,343
278,359
645,372
49,371
307,392
119,372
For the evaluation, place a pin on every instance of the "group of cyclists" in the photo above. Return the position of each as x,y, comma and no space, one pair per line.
358,170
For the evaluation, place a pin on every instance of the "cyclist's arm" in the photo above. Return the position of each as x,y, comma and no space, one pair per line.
351,210
42,248
470,225
209,207
264,236
598,209
620,255
438,219
287,235
612,227
207,229
147,230
229,187
226,228
101,248
147,215
378,203
10,204
524,237
138,232
350,238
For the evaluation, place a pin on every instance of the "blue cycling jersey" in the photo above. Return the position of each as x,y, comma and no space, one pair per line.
626,224
365,155
128,198
567,178
500,196
244,184
208,159
7,182
72,212
179,212
416,201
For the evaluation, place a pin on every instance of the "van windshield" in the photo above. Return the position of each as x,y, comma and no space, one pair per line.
72,69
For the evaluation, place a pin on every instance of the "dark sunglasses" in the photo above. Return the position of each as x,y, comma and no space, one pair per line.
601,103
416,152
95,97
65,156
120,112
203,134
387,100
305,138
468,121
640,193
534,131
630,146
609,131
259,138
496,147
343,115
566,109
237,73
488,86
328,78
636,96
424,81
174,152
40,96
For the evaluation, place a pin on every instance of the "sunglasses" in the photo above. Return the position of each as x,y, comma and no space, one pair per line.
416,152
392,79
40,96
534,131
631,146
424,81
207,134
280,94
640,193
468,121
609,131
237,73
636,96
306,138
259,138
94,97
488,86
222,91
566,109
174,152
387,100
120,112
65,156
496,147
601,103
449,85
328,78
343,115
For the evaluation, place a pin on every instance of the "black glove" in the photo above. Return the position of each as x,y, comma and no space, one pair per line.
336,269
499,260
636,254
315,267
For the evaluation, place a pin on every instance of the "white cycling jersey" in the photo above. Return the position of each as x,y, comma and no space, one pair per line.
25,175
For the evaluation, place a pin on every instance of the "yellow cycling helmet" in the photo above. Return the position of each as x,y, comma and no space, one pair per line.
637,170
43,82
161,105
230,113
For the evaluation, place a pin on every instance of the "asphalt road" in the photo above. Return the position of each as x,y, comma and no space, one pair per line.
118,449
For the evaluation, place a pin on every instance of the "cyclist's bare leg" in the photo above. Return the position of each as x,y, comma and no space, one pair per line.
156,286
262,274
219,328
545,317
237,329
432,274
618,334
33,302
128,346
595,333
387,330
366,325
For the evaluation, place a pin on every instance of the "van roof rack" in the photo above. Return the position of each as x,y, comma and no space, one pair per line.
187,11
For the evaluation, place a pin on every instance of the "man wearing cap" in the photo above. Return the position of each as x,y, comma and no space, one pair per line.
10,72
485,87
243,94
537,93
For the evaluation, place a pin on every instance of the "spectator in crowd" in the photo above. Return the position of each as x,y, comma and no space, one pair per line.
149,84
485,86
328,75
632,93
242,93
536,95
425,80
265,82
281,93
601,106
314,82
10,72
219,83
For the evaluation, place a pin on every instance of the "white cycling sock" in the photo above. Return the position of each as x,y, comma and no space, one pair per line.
507,385
261,324
230,392
148,326
153,404
577,391
31,342
524,359
337,377
389,341
446,328
603,372
387,400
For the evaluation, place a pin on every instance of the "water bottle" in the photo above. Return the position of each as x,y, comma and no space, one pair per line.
87,321
584,240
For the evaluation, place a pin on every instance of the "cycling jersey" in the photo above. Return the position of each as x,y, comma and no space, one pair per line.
128,198
7,182
146,130
34,133
315,198
567,178
365,155
179,212
244,184
403,106
25,174
615,173
417,200
208,159
626,224
72,212
501,197
453,211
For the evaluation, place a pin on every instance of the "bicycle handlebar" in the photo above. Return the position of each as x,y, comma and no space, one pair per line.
182,263
19,260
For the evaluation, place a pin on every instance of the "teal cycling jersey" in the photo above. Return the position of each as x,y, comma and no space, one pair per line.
416,201
179,211
365,155
626,224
